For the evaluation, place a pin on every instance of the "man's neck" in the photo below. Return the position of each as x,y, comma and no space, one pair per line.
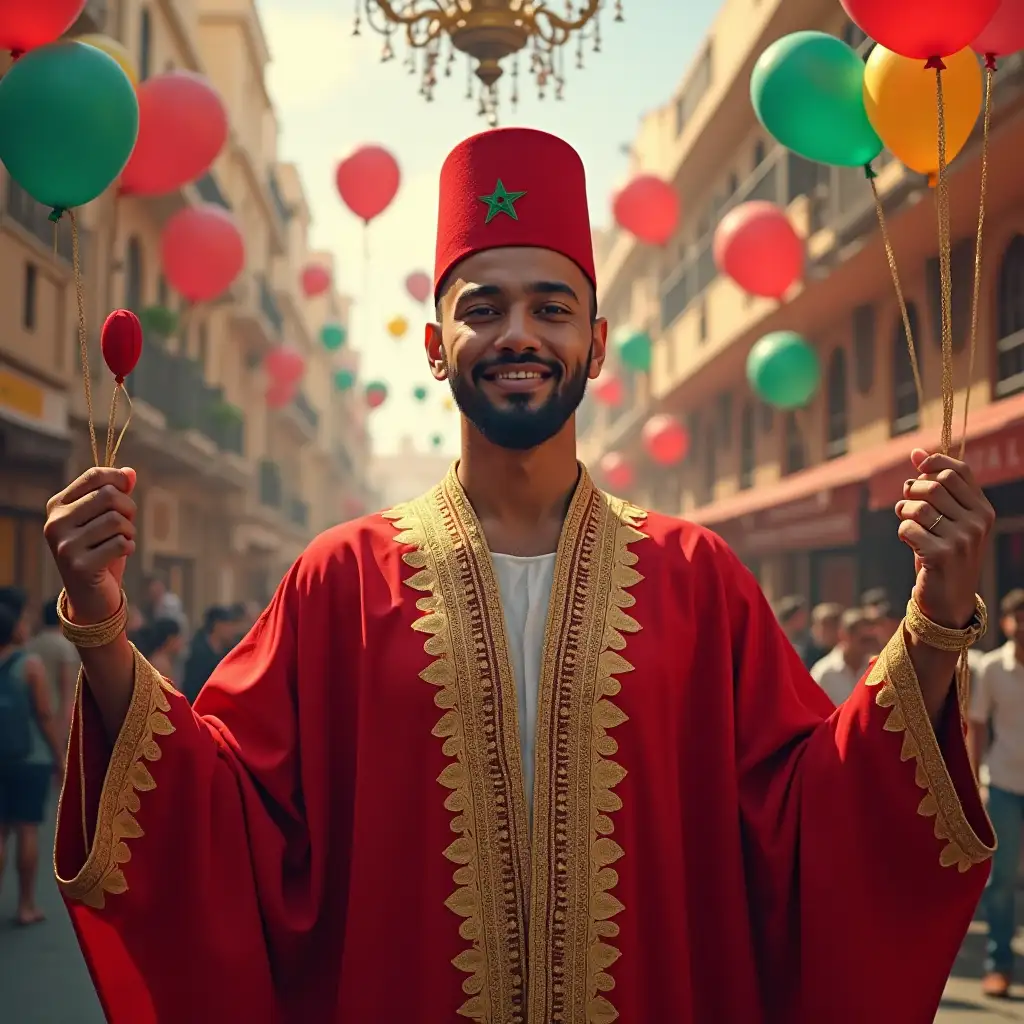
520,498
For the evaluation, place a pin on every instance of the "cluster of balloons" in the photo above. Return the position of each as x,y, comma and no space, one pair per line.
648,208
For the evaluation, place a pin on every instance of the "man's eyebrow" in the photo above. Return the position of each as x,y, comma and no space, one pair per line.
489,291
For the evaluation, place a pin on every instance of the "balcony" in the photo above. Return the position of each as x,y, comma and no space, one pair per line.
256,314
270,488
34,218
224,425
284,211
300,415
210,192
268,305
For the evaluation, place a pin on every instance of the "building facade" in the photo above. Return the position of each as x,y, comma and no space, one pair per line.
806,498
229,491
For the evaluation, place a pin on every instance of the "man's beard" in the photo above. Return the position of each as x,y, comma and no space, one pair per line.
518,427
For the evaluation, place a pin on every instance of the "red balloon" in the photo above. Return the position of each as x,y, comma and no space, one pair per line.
202,251
279,394
284,365
608,390
647,207
375,398
1004,34
419,286
757,247
615,468
667,441
315,280
26,24
182,127
921,29
121,343
367,181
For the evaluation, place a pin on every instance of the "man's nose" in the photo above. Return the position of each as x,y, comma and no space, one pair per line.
518,335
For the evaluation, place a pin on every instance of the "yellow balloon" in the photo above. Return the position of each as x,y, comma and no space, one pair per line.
449,405
112,48
901,103
398,326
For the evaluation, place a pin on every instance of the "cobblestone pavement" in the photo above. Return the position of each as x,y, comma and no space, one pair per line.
43,979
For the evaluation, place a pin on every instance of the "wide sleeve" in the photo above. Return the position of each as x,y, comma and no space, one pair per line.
183,848
865,836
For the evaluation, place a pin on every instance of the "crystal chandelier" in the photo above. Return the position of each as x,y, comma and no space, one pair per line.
489,32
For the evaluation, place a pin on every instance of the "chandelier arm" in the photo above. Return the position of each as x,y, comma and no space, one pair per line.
558,28
387,8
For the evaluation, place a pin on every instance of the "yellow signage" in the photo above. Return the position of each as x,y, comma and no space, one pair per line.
21,395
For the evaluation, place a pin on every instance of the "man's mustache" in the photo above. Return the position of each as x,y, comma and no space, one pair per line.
512,360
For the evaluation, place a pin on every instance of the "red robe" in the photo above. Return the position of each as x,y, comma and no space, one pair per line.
337,833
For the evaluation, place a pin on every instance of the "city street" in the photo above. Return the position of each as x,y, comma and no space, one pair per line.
44,981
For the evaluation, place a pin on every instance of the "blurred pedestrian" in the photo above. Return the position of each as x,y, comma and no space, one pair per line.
841,669
791,611
61,663
879,611
163,642
824,632
209,645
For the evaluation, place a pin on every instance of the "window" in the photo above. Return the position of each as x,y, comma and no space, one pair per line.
905,411
133,275
163,292
145,43
837,419
28,308
759,153
864,348
794,455
1010,305
748,446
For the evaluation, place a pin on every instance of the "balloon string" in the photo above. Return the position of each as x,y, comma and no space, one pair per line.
945,272
890,257
113,444
83,334
990,70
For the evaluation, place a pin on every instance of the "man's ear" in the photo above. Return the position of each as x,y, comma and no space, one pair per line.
434,348
598,347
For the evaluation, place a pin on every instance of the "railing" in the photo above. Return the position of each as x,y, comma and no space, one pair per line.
304,408
271,491
284,211
224,424
35,219
268,304
209,191
298,512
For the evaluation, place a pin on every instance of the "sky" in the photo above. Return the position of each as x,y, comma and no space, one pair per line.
333,94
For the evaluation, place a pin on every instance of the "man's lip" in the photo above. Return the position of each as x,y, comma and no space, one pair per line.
495,372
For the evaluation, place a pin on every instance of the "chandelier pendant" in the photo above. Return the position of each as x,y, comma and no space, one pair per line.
494,35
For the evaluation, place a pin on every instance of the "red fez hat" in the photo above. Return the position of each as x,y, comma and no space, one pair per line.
512,187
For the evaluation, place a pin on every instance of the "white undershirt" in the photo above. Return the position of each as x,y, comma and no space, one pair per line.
525,585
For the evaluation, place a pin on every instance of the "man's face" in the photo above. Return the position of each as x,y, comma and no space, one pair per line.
1013,625
859,641
826,632
517,343
156,590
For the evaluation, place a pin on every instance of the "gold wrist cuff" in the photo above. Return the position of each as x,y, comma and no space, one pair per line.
941,637
98,635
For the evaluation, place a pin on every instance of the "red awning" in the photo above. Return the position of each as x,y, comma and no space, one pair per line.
884,467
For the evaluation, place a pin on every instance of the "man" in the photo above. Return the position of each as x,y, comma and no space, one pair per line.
824,632
879,610
209,645
518,750
791,611
839,671
60,662
997,701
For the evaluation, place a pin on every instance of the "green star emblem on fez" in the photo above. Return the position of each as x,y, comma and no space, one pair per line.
501,201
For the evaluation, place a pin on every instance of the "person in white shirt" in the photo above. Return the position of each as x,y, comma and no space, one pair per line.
997,713
840,670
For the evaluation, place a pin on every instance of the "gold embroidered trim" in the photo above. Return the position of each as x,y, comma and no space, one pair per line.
900,691
126,777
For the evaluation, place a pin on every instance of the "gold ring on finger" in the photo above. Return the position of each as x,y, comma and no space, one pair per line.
931,529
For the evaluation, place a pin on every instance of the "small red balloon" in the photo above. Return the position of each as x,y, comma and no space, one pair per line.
648,208
121,342
284,365
182,128
279,394
617,471
26,24
376,397
609,390
757,246
368,181
665,439
419,286
921,29
202,251
1004,34
316,279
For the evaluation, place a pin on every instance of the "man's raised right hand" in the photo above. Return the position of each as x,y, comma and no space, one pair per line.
90,527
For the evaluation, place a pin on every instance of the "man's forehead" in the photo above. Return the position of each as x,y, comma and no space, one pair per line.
517,270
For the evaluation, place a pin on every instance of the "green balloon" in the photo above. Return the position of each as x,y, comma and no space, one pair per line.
807,89
419,393
332,337
784,370
344,380
69,119
634,349
437,440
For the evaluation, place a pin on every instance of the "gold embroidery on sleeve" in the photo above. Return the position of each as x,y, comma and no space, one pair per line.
127,776
900,691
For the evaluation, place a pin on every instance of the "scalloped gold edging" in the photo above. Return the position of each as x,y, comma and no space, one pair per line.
900,691
126,777
606,774
465,900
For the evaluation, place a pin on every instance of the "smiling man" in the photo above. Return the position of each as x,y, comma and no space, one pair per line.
519,752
